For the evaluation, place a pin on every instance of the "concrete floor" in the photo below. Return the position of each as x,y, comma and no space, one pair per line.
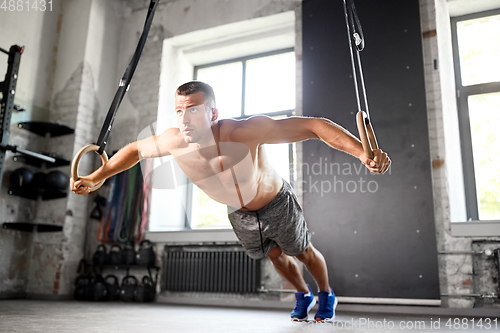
72,316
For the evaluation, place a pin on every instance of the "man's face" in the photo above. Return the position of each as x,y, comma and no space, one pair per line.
193,117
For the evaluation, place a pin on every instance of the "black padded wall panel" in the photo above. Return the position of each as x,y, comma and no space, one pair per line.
376,232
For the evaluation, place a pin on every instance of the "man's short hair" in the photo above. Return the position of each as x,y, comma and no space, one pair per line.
197,86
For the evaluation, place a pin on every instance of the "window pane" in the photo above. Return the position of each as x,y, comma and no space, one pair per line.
207,213
227,82
479,49
277,156
270,84
484,113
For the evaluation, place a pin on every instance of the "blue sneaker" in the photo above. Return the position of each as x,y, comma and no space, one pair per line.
302,305
326,307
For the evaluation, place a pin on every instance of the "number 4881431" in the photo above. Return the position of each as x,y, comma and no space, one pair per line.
26,5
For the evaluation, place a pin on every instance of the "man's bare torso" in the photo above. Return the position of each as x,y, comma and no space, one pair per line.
245,180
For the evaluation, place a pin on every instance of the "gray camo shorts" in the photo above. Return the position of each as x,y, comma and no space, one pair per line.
281,223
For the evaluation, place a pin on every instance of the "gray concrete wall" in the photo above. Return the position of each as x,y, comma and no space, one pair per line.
68,74
39,33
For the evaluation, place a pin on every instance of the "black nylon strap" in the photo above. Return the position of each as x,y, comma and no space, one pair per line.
356,38
125,81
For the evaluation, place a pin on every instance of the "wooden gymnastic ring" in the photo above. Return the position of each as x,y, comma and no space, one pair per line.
76,161
366,134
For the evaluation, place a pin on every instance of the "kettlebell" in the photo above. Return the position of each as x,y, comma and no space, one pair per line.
97,289
113,287
100,257
129,283
21,178
146,254
115,255
56,180
145,292
82,284
128,255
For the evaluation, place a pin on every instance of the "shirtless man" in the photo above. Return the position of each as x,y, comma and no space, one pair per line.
227,161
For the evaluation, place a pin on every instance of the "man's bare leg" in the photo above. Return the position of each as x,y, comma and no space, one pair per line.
316,265
288,268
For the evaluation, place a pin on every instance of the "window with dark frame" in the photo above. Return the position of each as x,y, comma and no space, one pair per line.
262,84
476,52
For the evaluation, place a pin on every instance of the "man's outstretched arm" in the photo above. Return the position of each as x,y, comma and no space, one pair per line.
263,129
125,158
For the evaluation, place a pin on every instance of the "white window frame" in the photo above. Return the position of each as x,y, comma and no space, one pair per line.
458,10
463,93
